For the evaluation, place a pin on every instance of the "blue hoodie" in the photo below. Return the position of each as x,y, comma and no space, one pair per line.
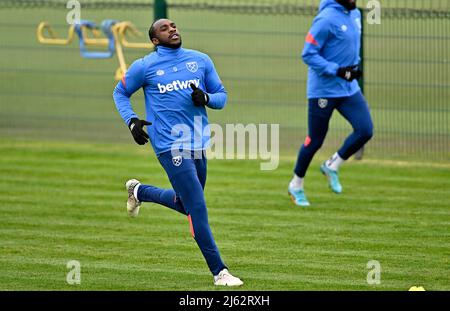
165,76
332,42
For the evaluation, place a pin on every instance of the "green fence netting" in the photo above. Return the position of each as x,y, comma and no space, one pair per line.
256,47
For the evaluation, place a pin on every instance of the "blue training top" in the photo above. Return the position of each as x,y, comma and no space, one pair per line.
332,42
165,76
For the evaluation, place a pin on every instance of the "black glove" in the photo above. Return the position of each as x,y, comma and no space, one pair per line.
136,129
349,73
199,97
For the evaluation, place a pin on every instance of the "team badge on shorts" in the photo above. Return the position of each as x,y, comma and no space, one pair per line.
192,66
323,103
177,160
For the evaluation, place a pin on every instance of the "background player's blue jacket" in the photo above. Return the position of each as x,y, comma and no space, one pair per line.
332,42
165,76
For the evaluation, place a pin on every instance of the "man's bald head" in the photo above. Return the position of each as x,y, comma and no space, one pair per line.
152,30
164,32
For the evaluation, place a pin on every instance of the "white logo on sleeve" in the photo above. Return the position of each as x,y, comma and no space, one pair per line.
177,85
344,28
177,160
160,72
192,66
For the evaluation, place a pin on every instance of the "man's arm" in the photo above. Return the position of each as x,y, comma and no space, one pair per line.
130,83
315,40
214,87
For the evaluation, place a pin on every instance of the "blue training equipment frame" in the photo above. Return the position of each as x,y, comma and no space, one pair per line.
106,28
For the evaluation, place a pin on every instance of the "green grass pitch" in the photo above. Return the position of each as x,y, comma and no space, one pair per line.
65,155
65,201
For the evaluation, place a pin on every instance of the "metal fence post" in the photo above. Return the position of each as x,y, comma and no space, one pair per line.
359,154
160,9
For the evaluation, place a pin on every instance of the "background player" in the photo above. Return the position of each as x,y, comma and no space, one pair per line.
173,80
332,54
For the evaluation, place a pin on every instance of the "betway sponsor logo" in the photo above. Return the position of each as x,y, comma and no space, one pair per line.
177,85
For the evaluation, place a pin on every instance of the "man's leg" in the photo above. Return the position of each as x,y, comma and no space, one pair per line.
165,197
185,182
201,167
319,114
224,277
356,111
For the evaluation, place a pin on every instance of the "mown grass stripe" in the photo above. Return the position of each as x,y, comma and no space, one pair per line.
61,201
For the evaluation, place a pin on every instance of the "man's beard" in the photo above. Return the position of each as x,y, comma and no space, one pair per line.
346,4
171,46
